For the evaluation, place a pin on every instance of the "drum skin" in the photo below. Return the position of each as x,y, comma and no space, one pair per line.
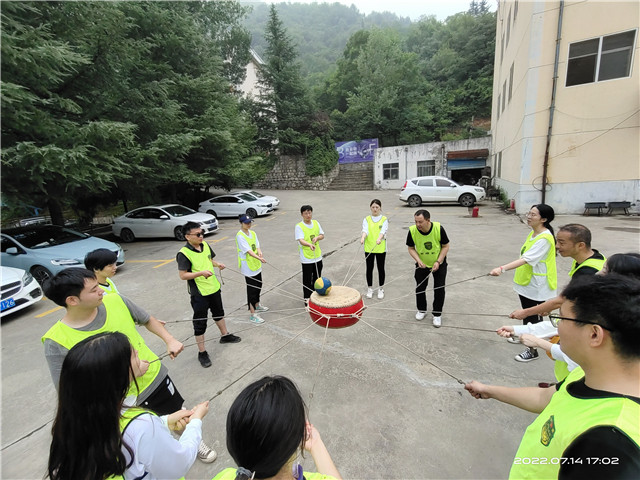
341,308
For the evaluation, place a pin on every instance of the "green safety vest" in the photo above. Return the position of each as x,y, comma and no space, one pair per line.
310,234
253,263
118,320
524,273
230,474
596,263
427,246
562,421
202,261
374,228
107,290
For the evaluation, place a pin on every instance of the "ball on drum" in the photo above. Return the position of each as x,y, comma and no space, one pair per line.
342,308
322,286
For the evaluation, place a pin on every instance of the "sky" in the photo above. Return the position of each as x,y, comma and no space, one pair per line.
413,9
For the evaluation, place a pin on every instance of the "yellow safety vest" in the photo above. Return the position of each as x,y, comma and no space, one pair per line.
110,289
230,474
596,263
118,320
253,263
202,261
374,228
562,421
427,246
524,273
309,235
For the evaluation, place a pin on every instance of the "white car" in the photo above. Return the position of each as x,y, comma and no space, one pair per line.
274,201
19,290
156,221
235,204
436,189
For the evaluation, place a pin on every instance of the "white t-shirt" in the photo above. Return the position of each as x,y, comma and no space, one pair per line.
300,236
538,288
383,230
156,452
244,246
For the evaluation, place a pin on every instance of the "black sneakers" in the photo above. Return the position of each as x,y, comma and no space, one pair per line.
205,361
229,338
528,355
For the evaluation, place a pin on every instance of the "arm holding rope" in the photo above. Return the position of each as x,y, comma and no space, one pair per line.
441,257
496,272
155,326
542,309
319,452
531,399
414,254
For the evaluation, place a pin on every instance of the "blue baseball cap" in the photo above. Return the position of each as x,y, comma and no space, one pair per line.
245,219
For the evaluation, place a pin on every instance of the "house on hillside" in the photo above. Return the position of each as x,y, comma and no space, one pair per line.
250,85
576,139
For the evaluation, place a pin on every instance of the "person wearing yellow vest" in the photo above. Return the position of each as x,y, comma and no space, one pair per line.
102,262
196,266
250,260
588,425
308,233
374,238
267,428
95,435
536,278
90,311
428,245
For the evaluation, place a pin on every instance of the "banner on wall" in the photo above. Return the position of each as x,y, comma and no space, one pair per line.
355,152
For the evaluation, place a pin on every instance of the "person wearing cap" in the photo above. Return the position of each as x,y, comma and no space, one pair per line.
250,262
196,266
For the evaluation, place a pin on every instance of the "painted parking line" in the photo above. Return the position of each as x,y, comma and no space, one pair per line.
219,239
166,262
147,261
43,314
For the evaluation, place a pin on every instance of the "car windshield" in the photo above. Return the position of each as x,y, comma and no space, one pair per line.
45,236
256,194
246,198
178,210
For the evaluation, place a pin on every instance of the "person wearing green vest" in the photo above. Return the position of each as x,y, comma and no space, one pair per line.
267,427
536,278
588,425
428,245
90,311
374,238
96,436
196,266
250,260
102,262
308,233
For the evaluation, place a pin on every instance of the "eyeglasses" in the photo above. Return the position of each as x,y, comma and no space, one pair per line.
532,214
555,319
199,234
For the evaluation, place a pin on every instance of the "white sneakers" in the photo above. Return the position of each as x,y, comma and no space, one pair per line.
437,322
256,319
206,453
420,315
380,294
369,292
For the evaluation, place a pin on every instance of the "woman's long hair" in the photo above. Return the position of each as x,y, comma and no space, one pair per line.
266,424
87,442
546,211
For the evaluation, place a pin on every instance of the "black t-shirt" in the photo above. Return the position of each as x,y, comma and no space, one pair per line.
588,270
444,239
184,264
603,451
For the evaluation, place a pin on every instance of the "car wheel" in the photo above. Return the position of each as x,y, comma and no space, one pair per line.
41,274
212,212
467,200
414,201
177,232
252,212
127,235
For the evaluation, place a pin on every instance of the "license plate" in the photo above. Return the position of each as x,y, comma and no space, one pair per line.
7,304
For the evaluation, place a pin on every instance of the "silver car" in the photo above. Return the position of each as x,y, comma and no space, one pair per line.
235,204
436,189
274,201
157,221
19,290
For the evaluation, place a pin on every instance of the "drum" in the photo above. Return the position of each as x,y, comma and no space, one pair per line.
341,307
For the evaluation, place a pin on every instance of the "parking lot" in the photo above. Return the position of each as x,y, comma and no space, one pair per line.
383,393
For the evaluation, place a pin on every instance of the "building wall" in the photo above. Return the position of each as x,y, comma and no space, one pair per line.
408,156
593,153
250,85
289,174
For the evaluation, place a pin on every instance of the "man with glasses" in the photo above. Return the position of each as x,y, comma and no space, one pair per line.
588,425
196,266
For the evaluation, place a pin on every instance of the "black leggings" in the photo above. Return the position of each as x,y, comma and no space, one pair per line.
528,303
378,258
254,285
310,273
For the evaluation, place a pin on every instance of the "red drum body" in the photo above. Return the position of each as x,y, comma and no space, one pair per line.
342,307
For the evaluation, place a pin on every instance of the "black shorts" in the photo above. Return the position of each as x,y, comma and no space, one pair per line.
201,306
165,399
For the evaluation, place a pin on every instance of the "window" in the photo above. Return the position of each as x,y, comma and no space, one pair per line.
499,166
428,182
504,94
390,171
515,11
501,48
510,81
498,110
440,182
602,58
426,168
508,27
